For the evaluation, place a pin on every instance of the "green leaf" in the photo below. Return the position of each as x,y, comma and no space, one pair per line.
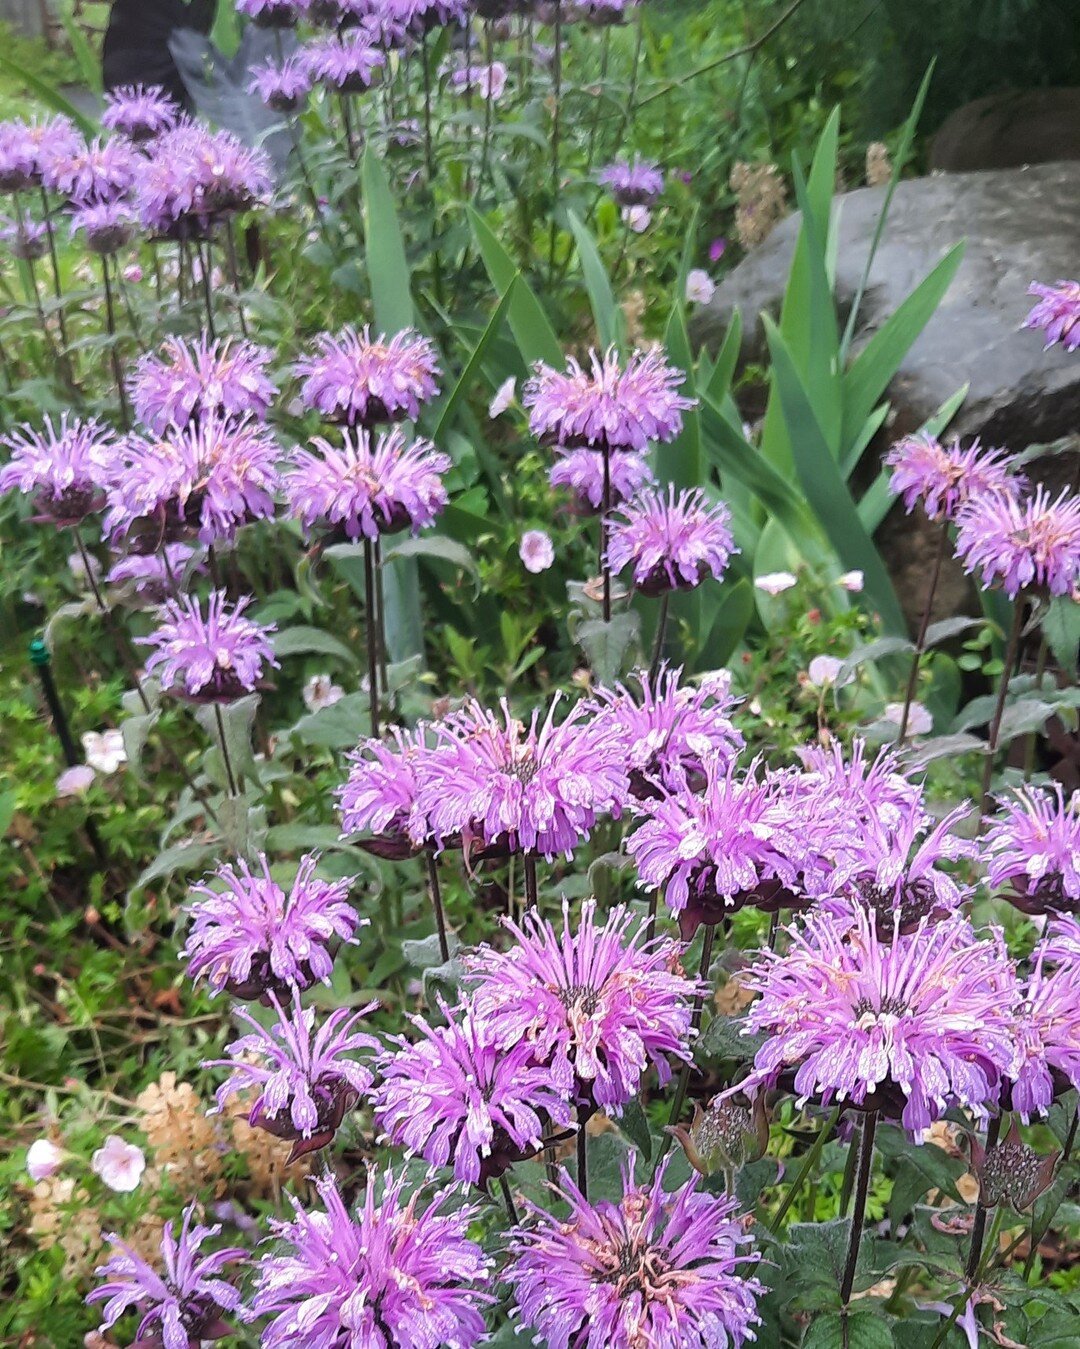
50,96
857,1330
950,627
299,641
814,1260
876,650
680,461
532,331
136,731
472,368
607,314
387,266
237,719
301,837
733,454
89,64
723,372
732,618
636,1127
1061,628
724,1039
339,726
186,856
606,644
436,547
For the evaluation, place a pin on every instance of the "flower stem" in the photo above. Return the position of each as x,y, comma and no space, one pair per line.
695,1023
862,1190
809,1162
978,1227
485,150
999,708
508,1200
924,623
372,632
582,1155
230,777
435,890
429,149
531,891
605,511
661,633
556,127
114,350
58,289
207,288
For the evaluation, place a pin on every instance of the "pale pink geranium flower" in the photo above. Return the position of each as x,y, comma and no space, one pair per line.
320,691
504,398
43,1159
776,582
536,551
920,722
75,781
851,581
119,1165
637,218
700,287
104,750
824,671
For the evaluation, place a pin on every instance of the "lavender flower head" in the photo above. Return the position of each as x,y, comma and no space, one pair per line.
422,16
151,576
26,146
194,177
346,63
506,787
284,87
1057,313
65,468
273,13
400,1272
368,487
139,112
943,478
1021,544
858,786
1033,847
190,380
658,1268
459,1096
249,936
101,171
672,543
107,225
632,183
215,655
379,797
597,1005
26,239
306,1078
1047,1033
209,479
582,471
910,1026
607,407
355,379
182,1305
672,730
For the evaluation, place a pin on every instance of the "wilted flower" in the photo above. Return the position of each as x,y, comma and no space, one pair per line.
506,787
775,582
632,183
43,1159
102,170
943,478
139,112
536,551
75,781
1011,1172
320,691
182,1304
597,1005
355,379
662,1269
212,656
910,1026
104,750
724,1136
1033,847
582,471
249,936
919,720
1022,542
307,1078
346,62
192,381
396,1274
461,1096
1057,313
64,469
368,487
504,398
700,287
672,543
107,225
608,407
380,794
119,1165
488,82
284,87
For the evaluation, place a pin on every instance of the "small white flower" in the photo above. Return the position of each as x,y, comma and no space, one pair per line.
104,750
504,398
637,218
919,722
78,567
120,1165
537,551
851,580
320,691
700,287
776,582
825,670
75,781
43,1159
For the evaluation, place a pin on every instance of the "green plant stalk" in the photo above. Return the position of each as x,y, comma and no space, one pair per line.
924,624
862,1190
661,634
229,775
556,128
978,1227
605,52
695,1026
58,289
1037,1234
435,891
508,1200
532,900
809,1162
114,350
582,1154
1011,652
605,517
371,633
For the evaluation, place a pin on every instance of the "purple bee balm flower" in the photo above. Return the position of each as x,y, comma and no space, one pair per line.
1062,940
194,176
738,841
213,656
582,471
152,575
1048,1032
306,1077
604,12
273,13
354,379
347,62
1021,544
106,225
401,1272
911,1026
249,936
608,406
65,468
26,239
506,787
672,730
101,171
139,112
672,543
1033,848
371,486
943,478
210,478
379,798
1057,313
421,16
459,1096
284,87
182,1305
26,146
632,183
859,786
598,1005
187,381
667,1270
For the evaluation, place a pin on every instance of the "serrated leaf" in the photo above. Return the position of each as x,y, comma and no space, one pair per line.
814,1260
876,650
635,1126
236,721
340,726
301,640
438,548
942,746
724,1039
855,1330
1061,627
606,644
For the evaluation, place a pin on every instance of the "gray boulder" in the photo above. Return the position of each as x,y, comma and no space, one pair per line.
1008,130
